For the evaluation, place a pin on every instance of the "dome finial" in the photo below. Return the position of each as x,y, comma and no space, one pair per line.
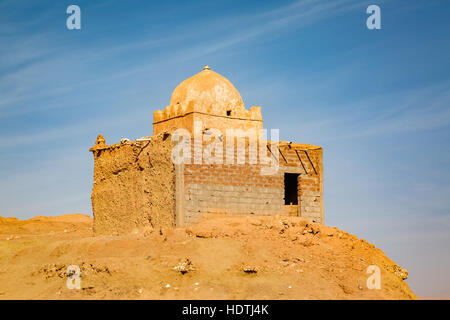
206,67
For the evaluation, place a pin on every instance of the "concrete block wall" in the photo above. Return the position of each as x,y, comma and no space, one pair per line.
308,163
241,189
234,189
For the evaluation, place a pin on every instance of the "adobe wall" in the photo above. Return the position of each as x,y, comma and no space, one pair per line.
134,186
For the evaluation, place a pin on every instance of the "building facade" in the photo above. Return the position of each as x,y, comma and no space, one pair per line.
208,154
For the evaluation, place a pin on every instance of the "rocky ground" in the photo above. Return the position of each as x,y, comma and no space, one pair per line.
222,257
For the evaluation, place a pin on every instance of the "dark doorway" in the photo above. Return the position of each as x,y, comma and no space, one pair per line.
291,188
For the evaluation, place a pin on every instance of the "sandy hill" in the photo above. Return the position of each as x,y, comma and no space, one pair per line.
222,257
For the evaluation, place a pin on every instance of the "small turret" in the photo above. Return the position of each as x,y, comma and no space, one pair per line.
99,143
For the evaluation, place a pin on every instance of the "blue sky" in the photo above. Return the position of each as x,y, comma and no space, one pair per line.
378,101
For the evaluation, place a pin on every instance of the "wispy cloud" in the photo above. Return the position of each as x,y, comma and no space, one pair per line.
399,111
21,80
410,110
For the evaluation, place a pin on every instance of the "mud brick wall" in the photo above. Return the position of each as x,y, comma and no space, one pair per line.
134,185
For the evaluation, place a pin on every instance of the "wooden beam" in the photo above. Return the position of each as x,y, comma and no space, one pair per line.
271,152
306,152
298,156
282,155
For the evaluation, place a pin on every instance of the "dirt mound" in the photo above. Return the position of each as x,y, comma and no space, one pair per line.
221,257
74,218
7,220
13,228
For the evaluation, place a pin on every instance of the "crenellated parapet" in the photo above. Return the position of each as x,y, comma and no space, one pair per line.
181,110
